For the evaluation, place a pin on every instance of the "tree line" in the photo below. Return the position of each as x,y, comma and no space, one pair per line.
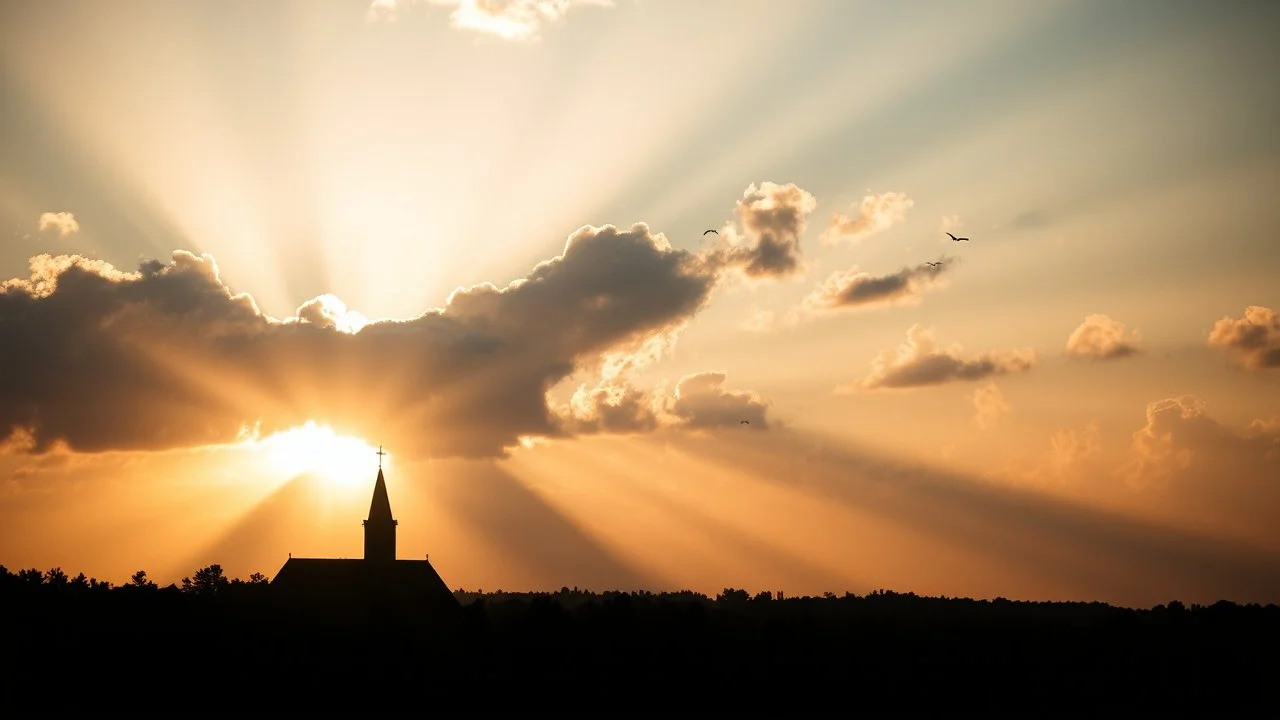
209,637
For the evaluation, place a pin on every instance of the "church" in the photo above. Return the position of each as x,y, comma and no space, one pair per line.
378,582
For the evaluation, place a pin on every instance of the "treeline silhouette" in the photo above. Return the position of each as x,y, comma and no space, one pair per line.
217,644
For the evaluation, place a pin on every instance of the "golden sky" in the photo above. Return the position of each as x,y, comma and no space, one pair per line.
247,242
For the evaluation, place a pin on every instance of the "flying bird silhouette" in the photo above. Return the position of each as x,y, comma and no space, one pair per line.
953,237
932,264
744,422
710,231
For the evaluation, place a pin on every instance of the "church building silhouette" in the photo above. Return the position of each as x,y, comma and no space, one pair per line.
379,580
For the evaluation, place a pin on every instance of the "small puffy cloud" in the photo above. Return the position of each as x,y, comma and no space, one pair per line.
1254,339
507,19
702,401
873,214
1100,337
989,405
64,223
773,220
168,356
918,362
852,289
329,311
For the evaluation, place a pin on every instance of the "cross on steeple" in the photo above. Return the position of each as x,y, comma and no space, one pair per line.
380,454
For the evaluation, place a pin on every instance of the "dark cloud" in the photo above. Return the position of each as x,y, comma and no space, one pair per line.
918,362
1101,337
774,218
169,356
1255,338
853,289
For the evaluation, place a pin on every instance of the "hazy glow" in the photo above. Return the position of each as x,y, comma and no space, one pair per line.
317,450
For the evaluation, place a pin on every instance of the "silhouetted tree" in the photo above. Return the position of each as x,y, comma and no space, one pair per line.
207,580
139,580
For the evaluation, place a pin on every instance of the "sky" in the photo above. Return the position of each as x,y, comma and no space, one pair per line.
244,244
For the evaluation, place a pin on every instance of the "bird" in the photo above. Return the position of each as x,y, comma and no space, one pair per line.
932,264
709,232
745,422
953,237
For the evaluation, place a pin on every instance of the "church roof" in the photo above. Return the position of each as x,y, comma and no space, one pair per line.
412,583
380,508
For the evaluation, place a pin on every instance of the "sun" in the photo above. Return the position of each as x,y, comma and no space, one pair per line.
316,449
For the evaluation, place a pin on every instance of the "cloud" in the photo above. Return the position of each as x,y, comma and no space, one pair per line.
328,311
990,405
773,219
168,356
702,401
1100,337
611,408
1254,339
853,289
874,213
615,405
1186,456
1180,436
64,222
918,363
950,223
507,19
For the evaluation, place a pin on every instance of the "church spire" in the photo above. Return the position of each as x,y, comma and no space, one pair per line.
380,528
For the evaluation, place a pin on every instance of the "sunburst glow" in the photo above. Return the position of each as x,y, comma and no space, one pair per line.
316,449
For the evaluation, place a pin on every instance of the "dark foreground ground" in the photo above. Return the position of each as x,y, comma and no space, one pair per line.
237,648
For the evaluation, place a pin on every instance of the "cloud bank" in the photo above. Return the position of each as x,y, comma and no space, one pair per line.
169,356
1100,337
1253,339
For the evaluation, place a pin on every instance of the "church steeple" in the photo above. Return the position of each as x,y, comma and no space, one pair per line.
380,528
